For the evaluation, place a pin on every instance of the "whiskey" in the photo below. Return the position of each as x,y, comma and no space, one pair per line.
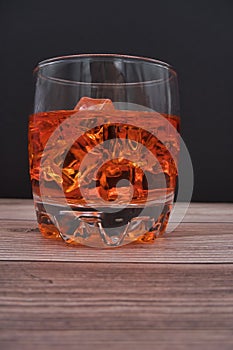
132,165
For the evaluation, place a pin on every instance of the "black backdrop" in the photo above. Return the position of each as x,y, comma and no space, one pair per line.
195,36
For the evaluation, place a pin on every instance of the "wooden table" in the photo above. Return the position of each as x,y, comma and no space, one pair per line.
174,294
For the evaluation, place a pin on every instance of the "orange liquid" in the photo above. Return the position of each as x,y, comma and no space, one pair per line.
146,175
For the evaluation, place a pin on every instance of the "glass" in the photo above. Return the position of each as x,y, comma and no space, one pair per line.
103,148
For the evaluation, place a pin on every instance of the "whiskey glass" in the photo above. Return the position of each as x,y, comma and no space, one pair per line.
103,148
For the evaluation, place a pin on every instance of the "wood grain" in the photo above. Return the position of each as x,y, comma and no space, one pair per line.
190,242
117,339
117,297
176,293
78,296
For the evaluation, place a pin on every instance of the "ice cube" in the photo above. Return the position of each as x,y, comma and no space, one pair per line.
94,104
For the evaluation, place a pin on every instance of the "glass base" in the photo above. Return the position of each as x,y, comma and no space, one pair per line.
103,229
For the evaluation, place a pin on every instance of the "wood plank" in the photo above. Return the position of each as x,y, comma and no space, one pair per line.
23,209
189,243
116,340
74,296
176,293
17,209
115,306
206,212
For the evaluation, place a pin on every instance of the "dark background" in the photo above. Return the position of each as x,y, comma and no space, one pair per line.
195,36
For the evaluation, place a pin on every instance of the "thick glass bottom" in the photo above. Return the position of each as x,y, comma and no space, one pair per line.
101,228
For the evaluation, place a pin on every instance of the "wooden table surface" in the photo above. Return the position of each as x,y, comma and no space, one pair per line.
174,294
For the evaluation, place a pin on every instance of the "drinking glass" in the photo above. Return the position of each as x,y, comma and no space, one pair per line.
103,148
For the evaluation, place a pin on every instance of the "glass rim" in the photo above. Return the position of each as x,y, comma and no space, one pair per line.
53,60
